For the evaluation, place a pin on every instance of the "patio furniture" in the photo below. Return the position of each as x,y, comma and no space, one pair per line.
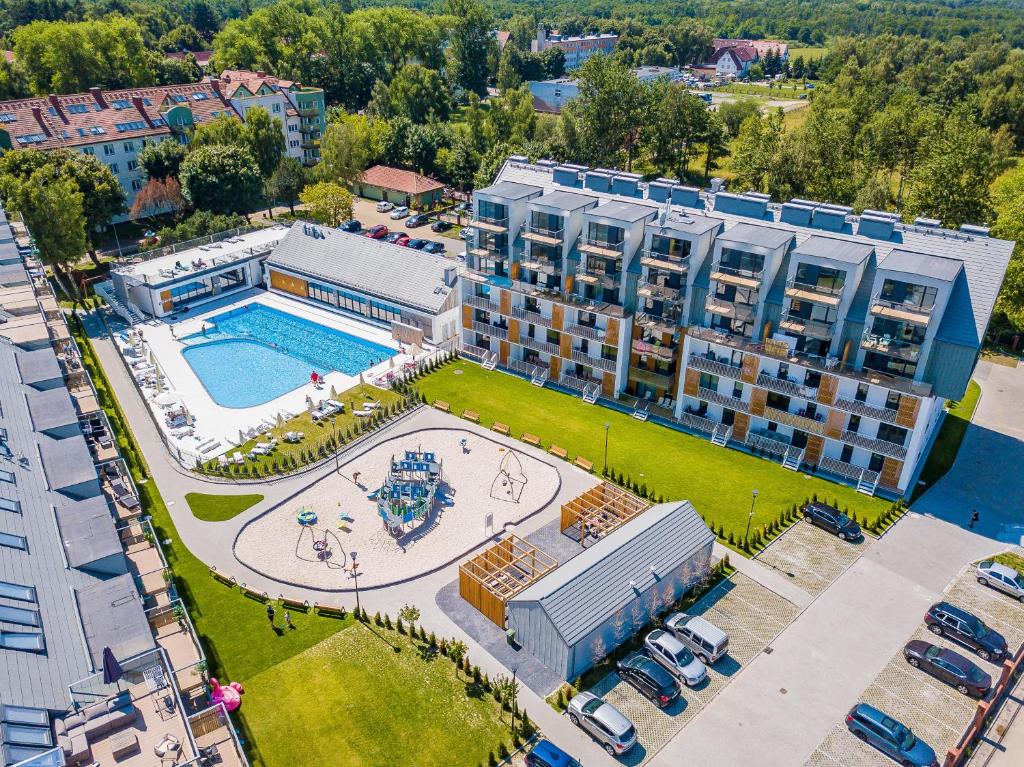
169,748
471,416
501,428
123,743
444,407
91,723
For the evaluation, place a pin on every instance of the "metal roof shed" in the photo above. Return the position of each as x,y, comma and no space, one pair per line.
575,615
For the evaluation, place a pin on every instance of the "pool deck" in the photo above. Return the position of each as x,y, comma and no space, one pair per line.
216,422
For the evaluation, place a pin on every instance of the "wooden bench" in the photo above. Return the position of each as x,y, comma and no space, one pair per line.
559,452
531,439
583,463
443,406
227,580
330,612
291,604
259,596
501,428
471,416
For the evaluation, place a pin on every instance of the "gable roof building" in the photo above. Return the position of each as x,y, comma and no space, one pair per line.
404,187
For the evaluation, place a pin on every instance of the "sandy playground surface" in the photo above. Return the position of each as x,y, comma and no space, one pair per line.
276,545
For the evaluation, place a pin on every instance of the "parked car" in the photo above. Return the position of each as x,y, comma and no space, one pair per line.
832,519
948,666
969,630
417,243
649,678
384,206
895,740
1001,577
674,656
397,238
440,226
436,248
378,232
706,640
420,219
352,225
603,722
547,754
399,213
465,233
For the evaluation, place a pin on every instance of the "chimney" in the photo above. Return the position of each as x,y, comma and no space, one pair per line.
215,84
451,273
97,94
37,112
261,74
55,103
139,105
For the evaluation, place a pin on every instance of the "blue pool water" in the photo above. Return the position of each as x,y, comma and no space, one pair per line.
255,353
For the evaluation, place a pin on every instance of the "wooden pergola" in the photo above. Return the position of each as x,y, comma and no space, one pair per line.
600,510
499,572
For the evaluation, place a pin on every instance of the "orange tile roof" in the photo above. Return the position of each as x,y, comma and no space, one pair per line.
399,180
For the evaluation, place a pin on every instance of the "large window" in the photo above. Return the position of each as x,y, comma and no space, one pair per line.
823,277
322,293
6,504
22,640
739,261
13,541
917,296
670,246
19,615
891,433
605,233
211,285
494,211
545,222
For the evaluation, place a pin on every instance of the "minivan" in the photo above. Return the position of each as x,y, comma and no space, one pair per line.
708,642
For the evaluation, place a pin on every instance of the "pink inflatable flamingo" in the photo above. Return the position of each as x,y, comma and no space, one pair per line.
230,695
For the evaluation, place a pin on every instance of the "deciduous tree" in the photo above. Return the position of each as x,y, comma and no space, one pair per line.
327,202
222,179
162,160
287,182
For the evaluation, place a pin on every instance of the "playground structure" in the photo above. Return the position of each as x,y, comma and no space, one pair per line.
510,480
408,493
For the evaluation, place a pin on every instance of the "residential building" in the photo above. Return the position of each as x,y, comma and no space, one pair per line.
733,58
798,331
202,57
114,126
761,47
552,95
577,49
402,187
413,294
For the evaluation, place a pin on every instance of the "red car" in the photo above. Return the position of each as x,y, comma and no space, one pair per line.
378,232
403,239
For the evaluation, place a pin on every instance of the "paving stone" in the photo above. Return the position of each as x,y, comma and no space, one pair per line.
812,557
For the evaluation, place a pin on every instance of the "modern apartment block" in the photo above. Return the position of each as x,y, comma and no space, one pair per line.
577,48
114,126
800,332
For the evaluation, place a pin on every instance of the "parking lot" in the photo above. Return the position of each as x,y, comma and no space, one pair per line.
365,211
811,557
751,615
937,713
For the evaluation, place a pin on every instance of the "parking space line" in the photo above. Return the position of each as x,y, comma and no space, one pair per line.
912,704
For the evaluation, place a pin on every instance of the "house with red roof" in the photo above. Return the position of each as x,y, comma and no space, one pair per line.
402,187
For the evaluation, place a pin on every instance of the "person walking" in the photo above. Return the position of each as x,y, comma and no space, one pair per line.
270,614
288,620
974,518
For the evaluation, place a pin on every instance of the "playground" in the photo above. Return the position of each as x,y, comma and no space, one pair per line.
405,507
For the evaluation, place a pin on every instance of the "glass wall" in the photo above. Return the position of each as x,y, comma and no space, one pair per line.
352,302
211,285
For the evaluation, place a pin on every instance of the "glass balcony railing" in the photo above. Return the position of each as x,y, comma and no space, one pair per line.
893,347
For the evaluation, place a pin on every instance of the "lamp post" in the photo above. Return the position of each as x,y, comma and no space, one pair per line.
515,698
750,516
354,571
607,427
337,448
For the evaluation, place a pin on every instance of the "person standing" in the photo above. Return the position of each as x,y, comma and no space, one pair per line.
974,518
270,614
288,620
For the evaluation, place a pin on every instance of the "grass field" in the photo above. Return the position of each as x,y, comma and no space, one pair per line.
807,53
788,90
717,481
947,444
217,508
353,700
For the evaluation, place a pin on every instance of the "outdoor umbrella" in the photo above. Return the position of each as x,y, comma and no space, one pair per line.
112,671
334,393
280,420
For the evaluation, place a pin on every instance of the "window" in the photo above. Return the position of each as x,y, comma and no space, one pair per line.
277,109
136,184
7,117
129,146
133,164
854,424
108,150
891,433
892,400
32,138
96,130
134,125
177,98
114,169
862,392
847,455
121,103
294,143
293,127
78,109
19,616
6,504
17,591
199,97
13,541
22,640
89,150
6,476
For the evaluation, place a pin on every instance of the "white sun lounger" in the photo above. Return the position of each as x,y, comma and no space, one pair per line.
237,457
371,405
362,412
222,460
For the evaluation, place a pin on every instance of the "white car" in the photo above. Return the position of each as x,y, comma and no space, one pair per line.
400,212
465,233
384,206
999,576
675,657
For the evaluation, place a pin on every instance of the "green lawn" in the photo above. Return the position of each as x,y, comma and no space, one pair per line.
947,444
716,480
1010,559
807,53
353,700
217,508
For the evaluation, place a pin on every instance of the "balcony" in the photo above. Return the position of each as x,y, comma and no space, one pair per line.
786,386
533,318
601,248
488,250
696,422
652,378
660,351
655,260
481,302
543,236
493,331
808,327
733,403
848,470
489,223
578,383
902,312
595,362
590,332
527,368
875,445
904,350
797,421
543,265
658,292
888,415
731,309
739,277
817,294
656,323
715,367
764,441
552,350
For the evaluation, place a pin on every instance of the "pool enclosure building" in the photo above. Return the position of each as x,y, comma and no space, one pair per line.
576,614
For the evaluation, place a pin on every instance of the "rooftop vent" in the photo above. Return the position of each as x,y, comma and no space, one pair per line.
597,180
518,158
546,163
831,218
931,223
796,213
626,184
876,227
567,175
660,189
740,205
686,195
976,229
717,185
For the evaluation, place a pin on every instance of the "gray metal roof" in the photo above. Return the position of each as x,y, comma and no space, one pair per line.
51,408
623,211
389,272
936,267
511,190
581,594
854,253
565,200
112,616
690,222
87,533
37,366
13,274
755,235
66,462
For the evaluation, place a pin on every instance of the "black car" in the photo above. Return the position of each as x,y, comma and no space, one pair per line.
948,666
417,244
650,678
961,626
420,219
440,226
832,519
352,225
434,247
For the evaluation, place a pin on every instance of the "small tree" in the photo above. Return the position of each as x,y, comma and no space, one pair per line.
327,202
457,652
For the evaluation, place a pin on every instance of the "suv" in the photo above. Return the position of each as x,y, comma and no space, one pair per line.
1001,577
436,248
400,212
708,642
417,220
673,655
961,626
892,738
603,722
949,667
547,754
352,225
649,678
832,519
384,206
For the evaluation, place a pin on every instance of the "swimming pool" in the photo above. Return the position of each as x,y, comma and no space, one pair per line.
255,353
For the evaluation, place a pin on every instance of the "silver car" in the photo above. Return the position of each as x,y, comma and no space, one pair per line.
674,656
604,722
1001,577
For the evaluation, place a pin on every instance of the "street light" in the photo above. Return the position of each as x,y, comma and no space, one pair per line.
515,698
750,516
607,426
337,448
354,571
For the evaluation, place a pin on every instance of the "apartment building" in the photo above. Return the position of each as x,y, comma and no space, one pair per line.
577,48
114,126
820,339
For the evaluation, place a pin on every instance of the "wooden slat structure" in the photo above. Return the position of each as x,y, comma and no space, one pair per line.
600,510
499,572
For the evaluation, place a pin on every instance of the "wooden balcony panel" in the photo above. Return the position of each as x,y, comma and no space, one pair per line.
807,294
735,279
